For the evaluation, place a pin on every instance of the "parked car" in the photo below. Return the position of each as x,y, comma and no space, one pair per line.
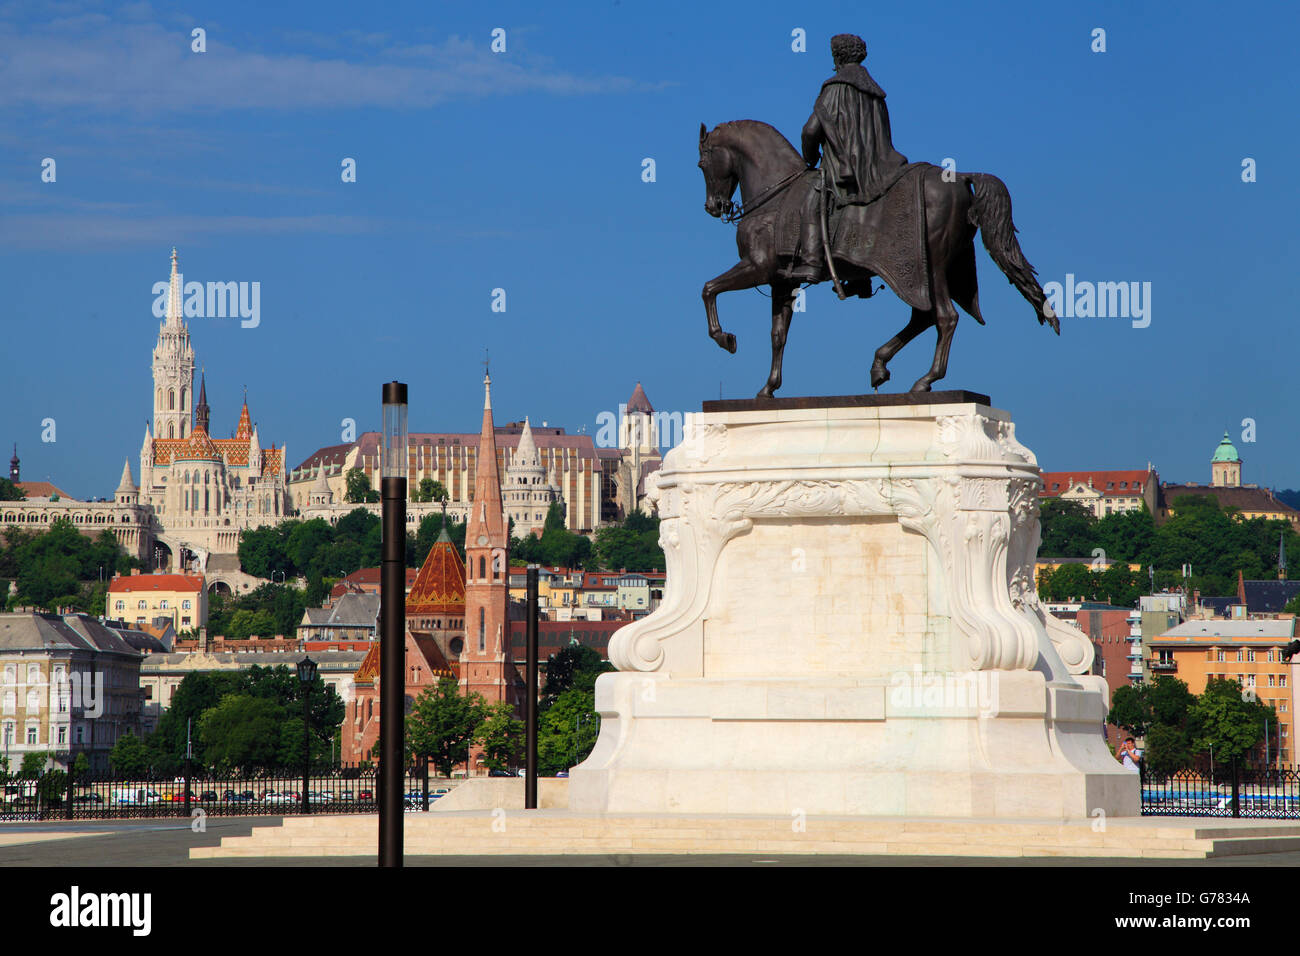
135,796
87,798
280,799
366,795
232,796
208,796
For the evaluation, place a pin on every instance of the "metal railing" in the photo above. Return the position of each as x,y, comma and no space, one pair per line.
90,796
1230,790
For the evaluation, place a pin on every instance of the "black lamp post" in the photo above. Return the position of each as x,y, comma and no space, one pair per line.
392,603
530,701
306,677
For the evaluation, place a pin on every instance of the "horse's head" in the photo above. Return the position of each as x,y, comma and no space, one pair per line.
720,177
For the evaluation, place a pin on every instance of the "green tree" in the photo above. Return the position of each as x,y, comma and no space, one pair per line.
129,756
567,731
80,766
442,724
262,550
430,489
10,492
33,765
1168,749
1069,529
1230,722
242,732
501,735
1130,709
357,487
573,666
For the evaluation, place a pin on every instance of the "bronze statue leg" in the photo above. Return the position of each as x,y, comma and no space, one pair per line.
919,322
743,275
946,322
782,311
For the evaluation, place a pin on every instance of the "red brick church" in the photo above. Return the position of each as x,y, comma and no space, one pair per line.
457,615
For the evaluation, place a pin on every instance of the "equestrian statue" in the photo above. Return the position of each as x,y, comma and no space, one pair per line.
852,208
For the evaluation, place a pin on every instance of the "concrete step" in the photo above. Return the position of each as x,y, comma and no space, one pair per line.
556,832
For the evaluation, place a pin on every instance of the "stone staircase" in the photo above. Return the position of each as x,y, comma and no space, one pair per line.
561,832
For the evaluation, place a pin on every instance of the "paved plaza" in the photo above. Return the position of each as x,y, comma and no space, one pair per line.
167,842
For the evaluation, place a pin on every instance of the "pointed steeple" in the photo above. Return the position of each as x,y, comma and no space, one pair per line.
13,465
244,429
174,290
201,412
486,521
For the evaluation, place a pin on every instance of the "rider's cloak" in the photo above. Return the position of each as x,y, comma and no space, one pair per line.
851,125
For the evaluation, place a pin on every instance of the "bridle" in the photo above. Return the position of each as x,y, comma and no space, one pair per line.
733,212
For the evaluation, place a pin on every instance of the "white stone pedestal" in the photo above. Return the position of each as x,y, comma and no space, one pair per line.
850,626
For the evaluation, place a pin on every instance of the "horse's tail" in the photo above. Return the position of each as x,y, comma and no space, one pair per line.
991,214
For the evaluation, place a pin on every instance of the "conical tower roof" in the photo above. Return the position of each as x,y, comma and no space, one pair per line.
638,402
526,453
127,484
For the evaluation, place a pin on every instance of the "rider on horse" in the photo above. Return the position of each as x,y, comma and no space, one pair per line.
849,127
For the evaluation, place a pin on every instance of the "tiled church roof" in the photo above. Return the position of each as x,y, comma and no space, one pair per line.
439,588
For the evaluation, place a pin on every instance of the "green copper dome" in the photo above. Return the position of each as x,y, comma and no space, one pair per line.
1225,451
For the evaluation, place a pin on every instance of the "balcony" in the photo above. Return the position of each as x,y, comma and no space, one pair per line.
1164,666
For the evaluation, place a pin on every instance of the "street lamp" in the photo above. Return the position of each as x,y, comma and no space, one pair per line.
306,677
282,577
393,466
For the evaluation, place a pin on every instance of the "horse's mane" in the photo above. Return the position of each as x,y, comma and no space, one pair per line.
740,126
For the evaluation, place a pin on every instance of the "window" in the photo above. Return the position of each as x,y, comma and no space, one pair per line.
1250,656
1281,680
162,606
81,734
142,605
1241,655
33,673
1219,659
482,630
10,702
185,606
63,736
11,674
120,606
31,734
1272,680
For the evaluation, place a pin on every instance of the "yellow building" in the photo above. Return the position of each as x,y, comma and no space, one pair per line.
140,598
1247,651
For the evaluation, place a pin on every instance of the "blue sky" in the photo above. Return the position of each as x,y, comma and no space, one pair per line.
522,171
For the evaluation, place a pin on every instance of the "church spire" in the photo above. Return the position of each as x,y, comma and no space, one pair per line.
201,412
174,290
13,465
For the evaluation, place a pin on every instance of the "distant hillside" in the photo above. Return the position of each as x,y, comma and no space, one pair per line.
1289,497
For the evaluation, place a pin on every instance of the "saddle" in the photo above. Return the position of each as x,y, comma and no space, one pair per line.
884,237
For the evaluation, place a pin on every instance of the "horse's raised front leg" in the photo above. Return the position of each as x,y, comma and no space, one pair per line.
782,311
743,275
919,322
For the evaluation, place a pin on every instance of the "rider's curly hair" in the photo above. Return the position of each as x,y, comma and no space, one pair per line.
847,48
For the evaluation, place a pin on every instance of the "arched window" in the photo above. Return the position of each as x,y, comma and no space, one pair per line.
482,630
482,568
182,398
171,430
171,399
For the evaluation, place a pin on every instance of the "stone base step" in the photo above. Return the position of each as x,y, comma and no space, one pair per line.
552,832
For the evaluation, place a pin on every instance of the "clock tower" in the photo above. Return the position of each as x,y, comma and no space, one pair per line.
486,666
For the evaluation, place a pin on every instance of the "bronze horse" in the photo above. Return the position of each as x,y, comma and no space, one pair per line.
758,159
